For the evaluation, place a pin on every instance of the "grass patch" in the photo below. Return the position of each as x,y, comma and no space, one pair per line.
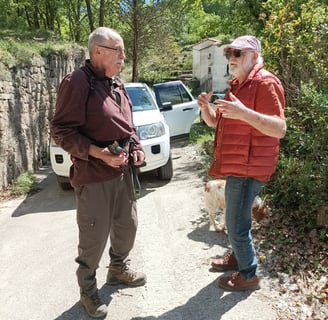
203,137
26,183
21,47
201,133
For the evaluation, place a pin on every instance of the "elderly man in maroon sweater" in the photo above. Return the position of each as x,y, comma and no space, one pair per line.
93,111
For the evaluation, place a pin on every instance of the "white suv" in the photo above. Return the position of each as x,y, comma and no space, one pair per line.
151,128
179,107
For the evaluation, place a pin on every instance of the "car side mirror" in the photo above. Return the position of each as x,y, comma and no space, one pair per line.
166,106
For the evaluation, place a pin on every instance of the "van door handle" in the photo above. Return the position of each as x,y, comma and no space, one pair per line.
187,109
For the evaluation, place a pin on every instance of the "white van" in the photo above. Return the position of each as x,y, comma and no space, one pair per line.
151,128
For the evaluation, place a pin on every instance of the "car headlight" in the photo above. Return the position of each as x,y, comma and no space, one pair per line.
151,131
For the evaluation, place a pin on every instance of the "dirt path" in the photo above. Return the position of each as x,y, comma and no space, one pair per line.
173,248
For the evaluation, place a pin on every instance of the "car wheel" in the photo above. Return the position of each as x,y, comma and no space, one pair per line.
64,183
166,172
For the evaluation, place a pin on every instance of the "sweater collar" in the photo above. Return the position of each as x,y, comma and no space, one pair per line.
100,75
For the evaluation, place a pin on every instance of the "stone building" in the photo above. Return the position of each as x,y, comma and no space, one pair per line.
210,66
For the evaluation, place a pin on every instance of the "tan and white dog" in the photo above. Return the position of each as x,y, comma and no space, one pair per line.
215,202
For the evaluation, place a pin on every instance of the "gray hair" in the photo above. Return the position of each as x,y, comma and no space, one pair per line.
100,35
259,59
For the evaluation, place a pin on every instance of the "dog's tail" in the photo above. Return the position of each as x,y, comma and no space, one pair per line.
260,209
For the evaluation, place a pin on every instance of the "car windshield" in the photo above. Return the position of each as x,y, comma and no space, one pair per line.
141,99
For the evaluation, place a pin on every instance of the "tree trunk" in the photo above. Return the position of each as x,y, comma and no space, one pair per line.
36,23
135,76
101,13
90,16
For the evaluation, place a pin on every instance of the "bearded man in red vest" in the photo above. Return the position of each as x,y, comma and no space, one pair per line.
249,124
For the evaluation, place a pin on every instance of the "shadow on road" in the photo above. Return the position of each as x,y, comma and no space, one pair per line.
49,198
208,304
211,238
150,182
76,312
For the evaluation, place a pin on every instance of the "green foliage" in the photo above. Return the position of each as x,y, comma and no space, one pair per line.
205,26
295,43
5,74
26,34
295,188
6,57
25,184
64,49
194,85
163,62
16,53
21,53
203,137
225,18
301,181
201,133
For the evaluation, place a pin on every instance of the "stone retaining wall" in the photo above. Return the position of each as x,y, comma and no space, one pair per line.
27,102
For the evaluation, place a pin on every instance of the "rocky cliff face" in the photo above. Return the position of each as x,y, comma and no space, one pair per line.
27,103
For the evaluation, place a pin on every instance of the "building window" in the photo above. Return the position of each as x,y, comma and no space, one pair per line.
227,71
209,56
209,70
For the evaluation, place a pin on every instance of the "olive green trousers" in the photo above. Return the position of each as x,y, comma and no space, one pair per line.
105,210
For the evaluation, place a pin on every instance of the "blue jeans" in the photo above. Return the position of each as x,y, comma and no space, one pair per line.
240,194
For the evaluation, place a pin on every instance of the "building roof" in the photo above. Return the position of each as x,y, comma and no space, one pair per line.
209,42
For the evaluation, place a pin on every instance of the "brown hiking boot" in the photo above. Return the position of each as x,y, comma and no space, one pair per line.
236,282
93,305
123,274
227,263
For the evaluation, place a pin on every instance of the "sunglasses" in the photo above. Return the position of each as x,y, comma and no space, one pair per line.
118,50
233,52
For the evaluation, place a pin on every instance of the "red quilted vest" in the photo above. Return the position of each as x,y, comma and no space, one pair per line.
239,149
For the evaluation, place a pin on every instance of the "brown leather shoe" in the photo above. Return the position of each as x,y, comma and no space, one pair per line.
123,274
236,282
227,263
93,305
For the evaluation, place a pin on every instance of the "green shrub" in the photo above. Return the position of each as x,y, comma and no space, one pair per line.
25,184
14,52
203,136
201,133
301,180
295,188
300,183
194,85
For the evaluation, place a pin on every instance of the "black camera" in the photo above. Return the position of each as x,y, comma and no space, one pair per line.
115,148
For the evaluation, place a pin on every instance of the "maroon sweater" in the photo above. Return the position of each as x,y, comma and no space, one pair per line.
85,117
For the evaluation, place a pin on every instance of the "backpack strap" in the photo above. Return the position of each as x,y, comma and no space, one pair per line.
92,83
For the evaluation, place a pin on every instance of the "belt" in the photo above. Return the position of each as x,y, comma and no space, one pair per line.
128,145
124,143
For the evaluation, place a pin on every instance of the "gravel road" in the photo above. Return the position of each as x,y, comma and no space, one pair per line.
173,247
